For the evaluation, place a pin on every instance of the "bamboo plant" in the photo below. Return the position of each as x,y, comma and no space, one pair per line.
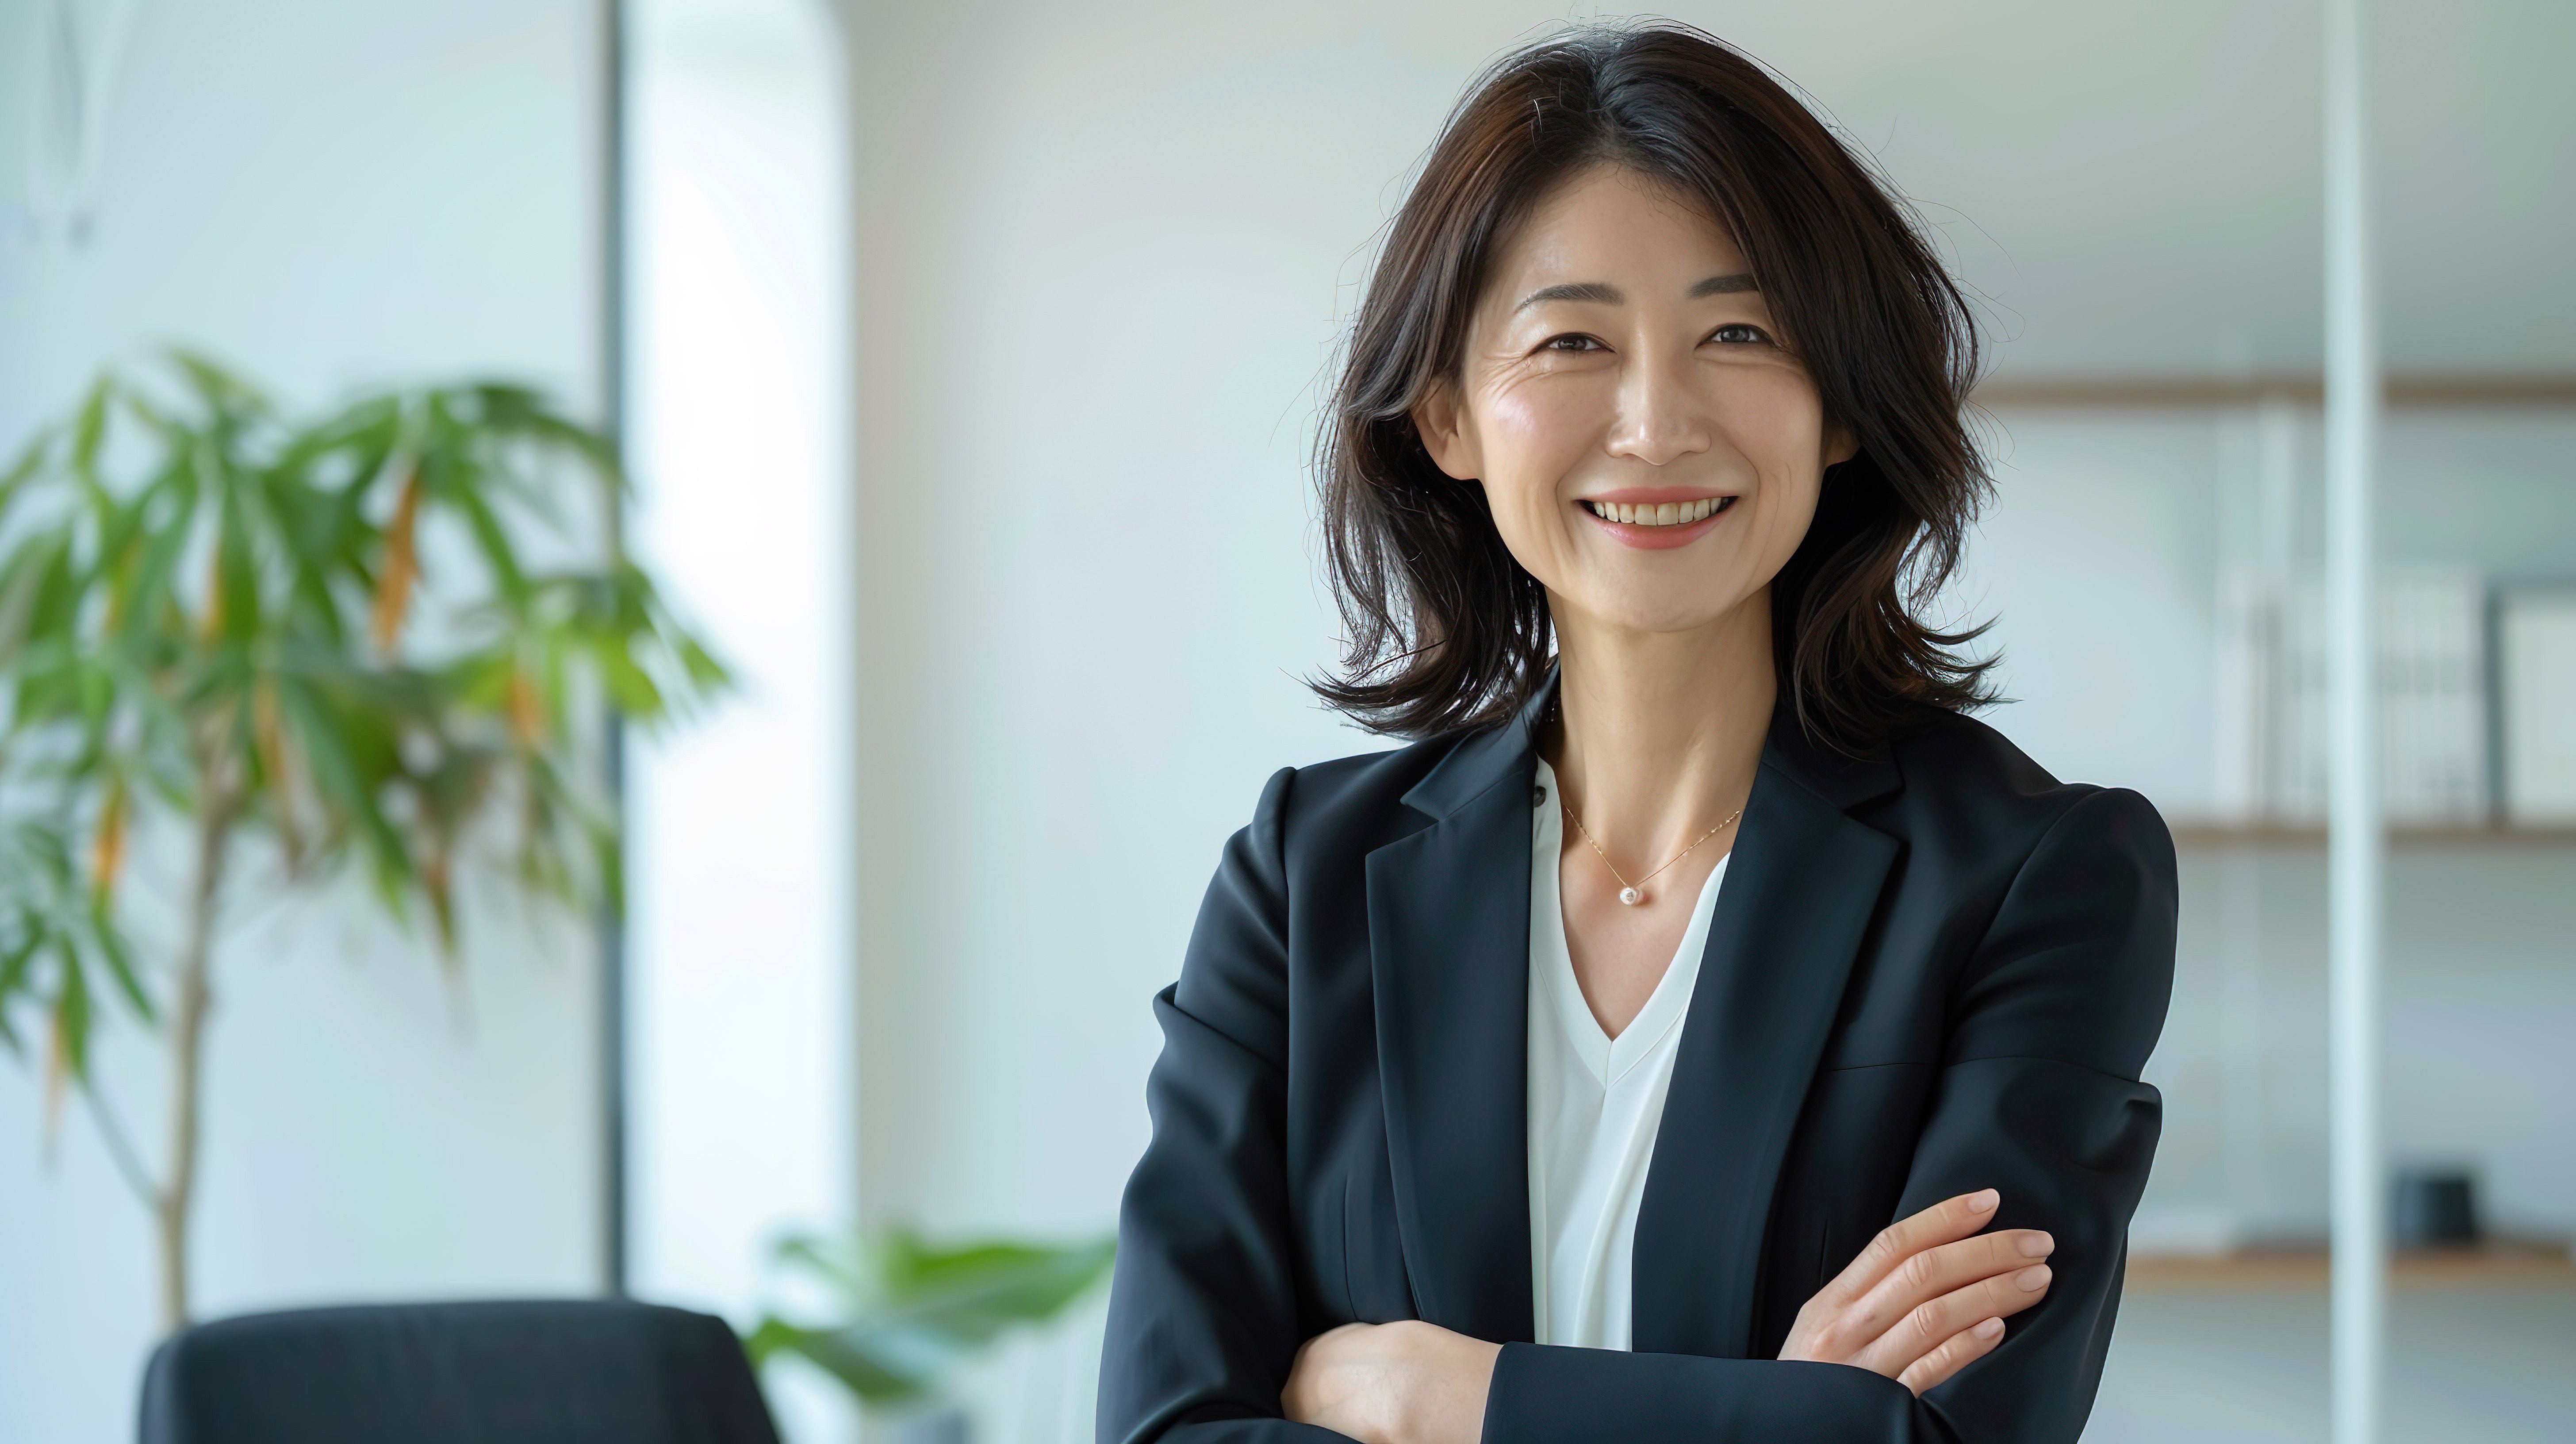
373,643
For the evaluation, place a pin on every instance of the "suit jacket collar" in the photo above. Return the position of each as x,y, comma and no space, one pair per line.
1449,946
1448,916
1802,889
1485,758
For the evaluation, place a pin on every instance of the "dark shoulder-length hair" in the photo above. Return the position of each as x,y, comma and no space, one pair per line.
1446,630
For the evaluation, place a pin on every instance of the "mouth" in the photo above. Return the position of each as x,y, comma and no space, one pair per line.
1658,514
1641,519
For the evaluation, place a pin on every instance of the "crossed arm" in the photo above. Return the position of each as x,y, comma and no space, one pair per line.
1927,1298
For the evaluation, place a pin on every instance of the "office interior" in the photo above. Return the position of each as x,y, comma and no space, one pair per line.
968,359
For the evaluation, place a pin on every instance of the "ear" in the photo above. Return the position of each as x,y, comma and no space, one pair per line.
1442,424
1840,444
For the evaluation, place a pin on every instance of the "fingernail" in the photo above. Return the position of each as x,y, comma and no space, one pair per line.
1983,1200
1988,1329
2037,1244
2035,1277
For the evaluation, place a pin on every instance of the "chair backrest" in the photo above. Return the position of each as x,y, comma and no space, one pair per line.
533,1372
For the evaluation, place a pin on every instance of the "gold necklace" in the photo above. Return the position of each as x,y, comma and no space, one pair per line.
1633,893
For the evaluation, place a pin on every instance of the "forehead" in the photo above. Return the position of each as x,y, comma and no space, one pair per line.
1609,221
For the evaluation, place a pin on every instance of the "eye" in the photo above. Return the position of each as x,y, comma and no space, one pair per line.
1571,341
1739,333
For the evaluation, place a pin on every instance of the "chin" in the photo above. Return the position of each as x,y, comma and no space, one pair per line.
1662,614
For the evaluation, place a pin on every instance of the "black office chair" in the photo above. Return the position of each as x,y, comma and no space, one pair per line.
539,1372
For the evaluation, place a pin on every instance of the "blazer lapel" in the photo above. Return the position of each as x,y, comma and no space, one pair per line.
1448,912
1800,890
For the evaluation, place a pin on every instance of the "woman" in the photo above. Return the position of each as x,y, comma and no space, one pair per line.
1706,1031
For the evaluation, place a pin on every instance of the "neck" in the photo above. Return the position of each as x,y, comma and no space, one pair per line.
1660,733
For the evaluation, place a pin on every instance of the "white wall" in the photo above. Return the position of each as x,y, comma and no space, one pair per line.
330,195
2096,564
742,1014
1098,266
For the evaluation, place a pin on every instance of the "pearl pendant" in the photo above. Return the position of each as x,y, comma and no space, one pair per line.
1631,896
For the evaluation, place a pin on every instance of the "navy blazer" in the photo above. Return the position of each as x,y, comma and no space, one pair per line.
1931,971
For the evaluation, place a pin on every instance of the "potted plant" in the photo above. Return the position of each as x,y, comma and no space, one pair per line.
374,641
904,1312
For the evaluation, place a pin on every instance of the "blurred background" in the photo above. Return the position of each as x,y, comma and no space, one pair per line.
967,356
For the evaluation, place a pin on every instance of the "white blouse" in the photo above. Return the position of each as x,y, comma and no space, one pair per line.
1594,1105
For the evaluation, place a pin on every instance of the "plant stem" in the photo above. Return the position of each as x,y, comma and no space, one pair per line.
187,1058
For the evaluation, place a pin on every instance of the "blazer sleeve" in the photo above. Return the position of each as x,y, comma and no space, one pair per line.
2039,1097
1203,1307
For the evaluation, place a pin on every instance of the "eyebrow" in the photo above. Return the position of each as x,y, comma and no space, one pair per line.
1602,293
1724,285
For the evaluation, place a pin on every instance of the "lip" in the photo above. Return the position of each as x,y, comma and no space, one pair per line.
1656,538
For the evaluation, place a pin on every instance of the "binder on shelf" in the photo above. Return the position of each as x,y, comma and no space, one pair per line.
2535,677
2433,702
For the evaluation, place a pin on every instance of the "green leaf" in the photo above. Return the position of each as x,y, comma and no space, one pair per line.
910,1311
24,578
236,568
881,1366
700,666
167,510
112,950
225,393
15,963
71,1010
628,686
89,432
31,460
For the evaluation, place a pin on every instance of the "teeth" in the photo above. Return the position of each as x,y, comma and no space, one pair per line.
1670,513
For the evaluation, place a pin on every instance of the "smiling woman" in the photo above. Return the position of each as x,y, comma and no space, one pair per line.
1814,273
1704,1031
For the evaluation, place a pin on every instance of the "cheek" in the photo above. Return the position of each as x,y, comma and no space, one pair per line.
1532,436
1776,422
1789,507
1535,432
1773,416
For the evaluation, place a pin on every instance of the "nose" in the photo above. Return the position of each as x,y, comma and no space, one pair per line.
1662,416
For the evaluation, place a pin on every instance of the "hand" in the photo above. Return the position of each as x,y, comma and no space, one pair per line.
1404,1383
1928,1296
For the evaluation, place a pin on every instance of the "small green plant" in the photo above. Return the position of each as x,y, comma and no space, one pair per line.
907,1312
375,641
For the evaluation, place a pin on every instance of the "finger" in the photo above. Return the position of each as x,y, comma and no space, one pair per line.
1312,1388
1956,1352
1930,1324
1946,1269
1297,1397
1945,1222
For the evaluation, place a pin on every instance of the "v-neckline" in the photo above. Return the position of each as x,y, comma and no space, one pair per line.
1609,1058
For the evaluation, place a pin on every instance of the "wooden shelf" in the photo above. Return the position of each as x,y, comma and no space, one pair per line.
2530,390
2494,1264
2285,836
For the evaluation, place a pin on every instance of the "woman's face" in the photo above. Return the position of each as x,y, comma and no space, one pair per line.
1650,450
